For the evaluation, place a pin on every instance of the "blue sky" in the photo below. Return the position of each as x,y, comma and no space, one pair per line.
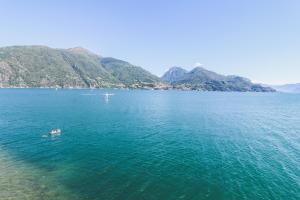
258,39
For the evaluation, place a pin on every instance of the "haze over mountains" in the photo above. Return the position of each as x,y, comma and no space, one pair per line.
41,66
288,88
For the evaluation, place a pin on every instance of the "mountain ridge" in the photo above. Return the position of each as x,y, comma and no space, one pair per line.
42,66
202,79
77,67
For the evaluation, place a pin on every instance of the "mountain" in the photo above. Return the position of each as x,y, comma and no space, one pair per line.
127,73
204,80
41,66
290,88
173,74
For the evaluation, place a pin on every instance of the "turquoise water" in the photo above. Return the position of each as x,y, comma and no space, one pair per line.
149,145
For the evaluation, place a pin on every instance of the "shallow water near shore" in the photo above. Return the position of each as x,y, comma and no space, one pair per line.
149,145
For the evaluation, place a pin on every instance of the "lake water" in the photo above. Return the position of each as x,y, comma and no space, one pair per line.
149,145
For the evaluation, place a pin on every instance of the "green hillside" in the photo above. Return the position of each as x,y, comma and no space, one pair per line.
41,66
128,73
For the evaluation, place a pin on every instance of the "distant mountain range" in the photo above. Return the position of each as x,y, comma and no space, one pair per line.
205,80
41,66
290,88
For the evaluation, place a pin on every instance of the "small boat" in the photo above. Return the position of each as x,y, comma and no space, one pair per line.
106,96
55,132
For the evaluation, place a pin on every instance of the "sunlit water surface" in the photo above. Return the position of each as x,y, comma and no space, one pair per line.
149,145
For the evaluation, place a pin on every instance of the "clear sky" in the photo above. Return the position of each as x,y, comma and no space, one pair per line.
258,39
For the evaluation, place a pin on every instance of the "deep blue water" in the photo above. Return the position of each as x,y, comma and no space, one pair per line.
149,145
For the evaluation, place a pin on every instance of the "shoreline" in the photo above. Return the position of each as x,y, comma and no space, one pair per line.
128,88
